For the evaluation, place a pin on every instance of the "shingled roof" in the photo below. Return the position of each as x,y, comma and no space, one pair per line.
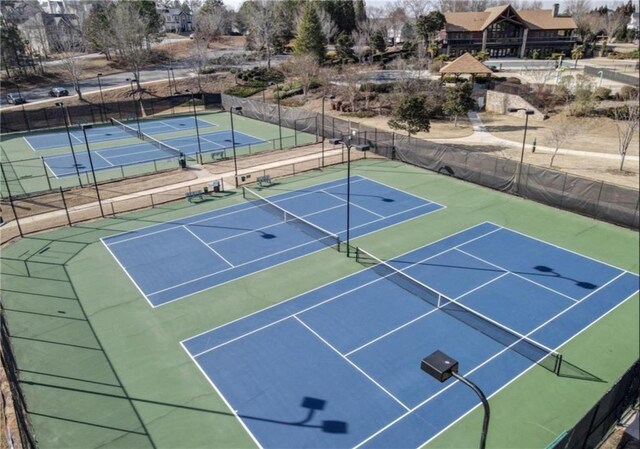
465,64
534,19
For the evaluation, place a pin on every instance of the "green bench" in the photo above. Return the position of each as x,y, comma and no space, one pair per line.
195,194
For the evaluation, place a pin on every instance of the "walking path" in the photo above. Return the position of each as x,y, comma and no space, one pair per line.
483,137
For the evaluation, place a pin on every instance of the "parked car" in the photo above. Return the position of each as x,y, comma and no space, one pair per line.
15,99
58,92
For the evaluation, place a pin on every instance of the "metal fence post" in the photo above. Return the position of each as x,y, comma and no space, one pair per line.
64,203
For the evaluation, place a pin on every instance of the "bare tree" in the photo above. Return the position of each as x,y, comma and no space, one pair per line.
577,7
559,134
329,27
130,32
466,5
262,24
610,24
72,64
350,75
626,119
415,8
210,23
198,58
520,5
304,67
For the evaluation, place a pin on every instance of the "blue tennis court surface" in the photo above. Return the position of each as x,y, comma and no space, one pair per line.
172,260
59,139
131,154
339,366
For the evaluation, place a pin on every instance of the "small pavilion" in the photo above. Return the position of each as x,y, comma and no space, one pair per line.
466,64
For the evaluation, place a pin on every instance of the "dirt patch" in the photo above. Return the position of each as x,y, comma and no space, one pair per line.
440,129
595,134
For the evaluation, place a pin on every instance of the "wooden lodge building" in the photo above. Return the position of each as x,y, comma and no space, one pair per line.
504,32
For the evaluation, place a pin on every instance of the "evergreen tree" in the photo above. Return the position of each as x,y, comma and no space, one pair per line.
378,41
13,47
344,46
361,11
310,38
342,12
459,101
427,27
411,115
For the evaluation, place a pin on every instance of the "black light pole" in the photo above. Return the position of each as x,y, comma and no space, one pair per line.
330,97
169,78
441,367
24,113
73,153
171,89
133,100
104,111
348,144
173,74
233,141
527,113
93,172
279,122
195,118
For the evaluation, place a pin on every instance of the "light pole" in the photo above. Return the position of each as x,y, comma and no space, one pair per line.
348,144
93,172
330,97
195,118
171,89
233,141
66,126
133,100
104,111
279,122
169,79
24,113
527,113
441,367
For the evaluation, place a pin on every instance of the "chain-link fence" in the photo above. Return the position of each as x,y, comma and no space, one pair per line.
16,426
594,427
52,116
613,75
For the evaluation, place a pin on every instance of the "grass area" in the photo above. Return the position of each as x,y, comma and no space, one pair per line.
100,368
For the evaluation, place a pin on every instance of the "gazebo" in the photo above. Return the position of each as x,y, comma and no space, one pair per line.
465,65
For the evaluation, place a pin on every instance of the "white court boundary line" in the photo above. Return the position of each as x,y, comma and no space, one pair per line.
286,261
622,273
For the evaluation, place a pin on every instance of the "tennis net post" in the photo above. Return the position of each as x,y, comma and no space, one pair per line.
511,339
322,235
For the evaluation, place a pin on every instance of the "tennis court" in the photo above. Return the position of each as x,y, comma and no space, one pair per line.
215,143
173,260
339,366
58,139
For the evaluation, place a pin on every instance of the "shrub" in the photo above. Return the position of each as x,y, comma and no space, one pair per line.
286,93
634,54
628,92
513,80
360,114
535,54
381,88
243,91
441,58
602,93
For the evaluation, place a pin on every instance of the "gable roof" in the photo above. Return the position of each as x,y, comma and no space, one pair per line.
535,19
465,64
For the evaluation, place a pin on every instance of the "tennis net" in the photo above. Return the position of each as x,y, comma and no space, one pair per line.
523,345
322,235
174,152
